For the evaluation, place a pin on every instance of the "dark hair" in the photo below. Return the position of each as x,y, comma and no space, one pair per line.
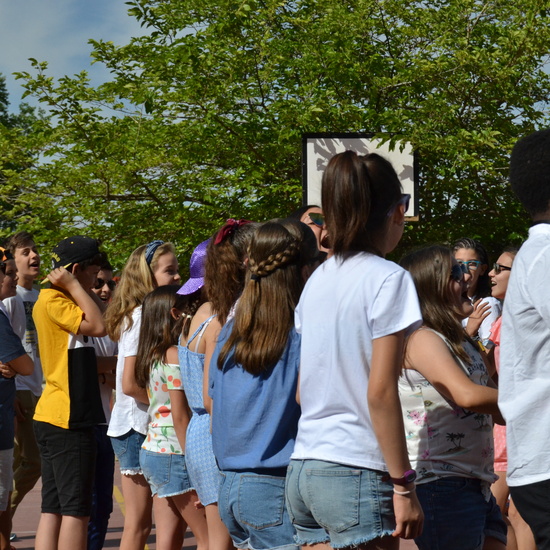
225,270
530,172
430,268
98,260
192,303
159,330
357,194
483,288
106,265
297,214
19,240
265,313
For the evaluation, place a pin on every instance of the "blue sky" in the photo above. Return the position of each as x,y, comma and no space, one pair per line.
57,31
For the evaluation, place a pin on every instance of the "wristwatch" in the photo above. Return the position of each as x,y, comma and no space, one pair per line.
408,477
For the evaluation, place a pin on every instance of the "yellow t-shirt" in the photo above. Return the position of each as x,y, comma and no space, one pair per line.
71,397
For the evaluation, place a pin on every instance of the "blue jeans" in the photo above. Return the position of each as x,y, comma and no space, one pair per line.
339,504
457,516
252,507
102,497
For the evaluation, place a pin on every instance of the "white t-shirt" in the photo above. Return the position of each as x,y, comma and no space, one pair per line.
344,306
127,413
524,379
20,313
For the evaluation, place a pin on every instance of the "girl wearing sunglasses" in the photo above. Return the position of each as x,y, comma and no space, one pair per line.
349,482
447,400
520,536
487,309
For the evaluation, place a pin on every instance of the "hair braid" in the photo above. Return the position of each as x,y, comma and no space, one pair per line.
274,261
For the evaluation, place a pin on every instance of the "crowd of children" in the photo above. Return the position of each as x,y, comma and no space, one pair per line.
298,390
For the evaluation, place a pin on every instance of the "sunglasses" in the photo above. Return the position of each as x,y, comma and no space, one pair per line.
404,200
317,219
458,271
3,267
101,283
472,265
497,268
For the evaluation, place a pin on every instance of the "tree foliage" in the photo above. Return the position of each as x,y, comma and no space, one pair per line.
203,117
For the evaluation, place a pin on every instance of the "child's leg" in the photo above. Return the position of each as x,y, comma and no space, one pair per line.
138,517
523,534
47,534
196,519
218,535
73,532
170,527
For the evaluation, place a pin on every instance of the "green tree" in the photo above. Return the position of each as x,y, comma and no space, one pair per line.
203,117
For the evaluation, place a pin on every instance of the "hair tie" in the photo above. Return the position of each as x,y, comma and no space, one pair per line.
228,229
150,251
255,277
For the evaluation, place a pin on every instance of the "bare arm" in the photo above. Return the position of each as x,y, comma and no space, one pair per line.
129,384
21,365
209,338
92,321
106,364
178,403
428,354
387,420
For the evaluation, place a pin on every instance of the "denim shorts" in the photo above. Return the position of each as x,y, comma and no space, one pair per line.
127,449
252,507
457,516
166,473
338,504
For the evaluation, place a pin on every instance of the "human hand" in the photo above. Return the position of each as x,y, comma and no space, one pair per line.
480,313
6,371
62,278
409,517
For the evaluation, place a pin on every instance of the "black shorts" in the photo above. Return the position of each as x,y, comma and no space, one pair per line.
533,503
68,466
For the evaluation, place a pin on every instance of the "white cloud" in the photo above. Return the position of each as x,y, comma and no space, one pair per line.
57,31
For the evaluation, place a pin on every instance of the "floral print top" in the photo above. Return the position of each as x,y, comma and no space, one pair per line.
444,439
161,435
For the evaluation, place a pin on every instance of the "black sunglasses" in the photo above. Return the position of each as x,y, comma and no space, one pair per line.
101,283
497,268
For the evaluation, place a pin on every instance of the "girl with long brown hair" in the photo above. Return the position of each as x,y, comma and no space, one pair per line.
162,455
253,382
447,399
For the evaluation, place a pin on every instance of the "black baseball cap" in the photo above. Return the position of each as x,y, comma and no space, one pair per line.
73,250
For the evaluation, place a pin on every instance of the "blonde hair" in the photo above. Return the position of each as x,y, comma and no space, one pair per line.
136,281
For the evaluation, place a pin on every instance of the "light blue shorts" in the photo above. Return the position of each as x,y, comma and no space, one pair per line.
126,448
252,507
338,504
166,473
457,516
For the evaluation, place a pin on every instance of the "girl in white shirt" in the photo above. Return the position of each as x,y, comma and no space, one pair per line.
353,315
149,266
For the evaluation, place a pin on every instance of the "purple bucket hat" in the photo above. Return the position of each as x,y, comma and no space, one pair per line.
196,270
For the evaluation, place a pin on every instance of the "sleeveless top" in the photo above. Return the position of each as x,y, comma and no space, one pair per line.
444,439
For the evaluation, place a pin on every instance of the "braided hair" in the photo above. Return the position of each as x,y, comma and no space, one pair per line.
265,312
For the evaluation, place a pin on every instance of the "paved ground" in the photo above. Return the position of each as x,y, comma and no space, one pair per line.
27,516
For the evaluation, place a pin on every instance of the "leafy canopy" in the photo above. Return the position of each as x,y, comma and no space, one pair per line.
202,118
